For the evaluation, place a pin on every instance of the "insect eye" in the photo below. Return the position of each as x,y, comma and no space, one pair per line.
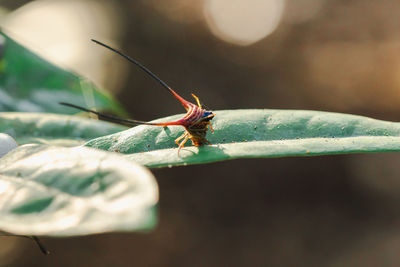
208,115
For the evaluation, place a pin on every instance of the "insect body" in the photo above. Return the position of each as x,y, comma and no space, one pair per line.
196,121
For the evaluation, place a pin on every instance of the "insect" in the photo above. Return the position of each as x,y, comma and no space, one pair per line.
196,120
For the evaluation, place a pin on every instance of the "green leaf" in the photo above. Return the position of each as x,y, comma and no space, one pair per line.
53,128
56,191
7,143
257,133
29,83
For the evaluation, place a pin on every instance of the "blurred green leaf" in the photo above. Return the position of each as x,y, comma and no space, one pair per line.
29,83
56,191
54,129
257,133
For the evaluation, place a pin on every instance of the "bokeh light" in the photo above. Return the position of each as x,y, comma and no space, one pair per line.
60,31
243,22
339,56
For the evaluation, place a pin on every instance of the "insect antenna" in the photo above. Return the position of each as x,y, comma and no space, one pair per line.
185,103
136,63
106,116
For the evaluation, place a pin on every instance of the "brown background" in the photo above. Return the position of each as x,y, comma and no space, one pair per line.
319,211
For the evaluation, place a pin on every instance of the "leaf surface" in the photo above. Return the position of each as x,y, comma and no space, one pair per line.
56,191
29,83
257,133
44,128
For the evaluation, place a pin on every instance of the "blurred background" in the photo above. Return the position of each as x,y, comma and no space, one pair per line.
341,56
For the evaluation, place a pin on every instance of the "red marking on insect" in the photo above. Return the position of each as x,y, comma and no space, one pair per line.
196,120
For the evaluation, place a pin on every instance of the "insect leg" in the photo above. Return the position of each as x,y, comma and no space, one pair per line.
197,100
211,128
180,137
183,143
